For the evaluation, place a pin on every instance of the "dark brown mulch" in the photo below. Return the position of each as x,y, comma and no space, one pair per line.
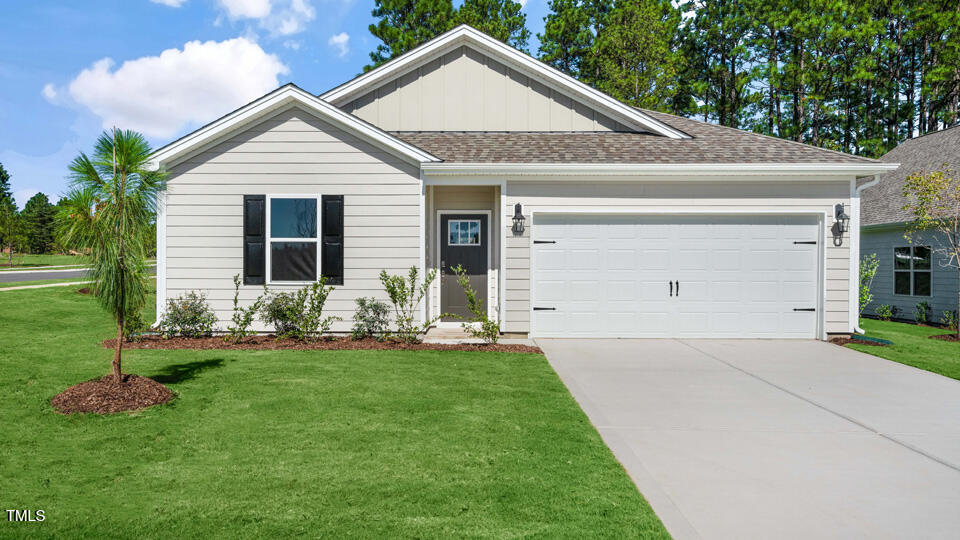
105,395
85,290
946,337
341,344
843,341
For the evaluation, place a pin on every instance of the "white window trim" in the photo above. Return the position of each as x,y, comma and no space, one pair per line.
270,238
912,271
492,282
477,221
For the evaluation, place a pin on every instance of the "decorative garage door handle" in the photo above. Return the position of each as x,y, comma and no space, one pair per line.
678,288
671,289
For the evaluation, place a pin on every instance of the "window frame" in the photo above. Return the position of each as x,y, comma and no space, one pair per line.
479,223
269,239
912,271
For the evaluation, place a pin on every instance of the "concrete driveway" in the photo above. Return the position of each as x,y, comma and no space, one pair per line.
774,439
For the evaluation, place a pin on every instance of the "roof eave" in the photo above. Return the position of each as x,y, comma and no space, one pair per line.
552,170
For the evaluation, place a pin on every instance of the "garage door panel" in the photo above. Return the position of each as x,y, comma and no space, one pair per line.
610,276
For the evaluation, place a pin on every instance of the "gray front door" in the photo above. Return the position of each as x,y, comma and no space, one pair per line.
463,241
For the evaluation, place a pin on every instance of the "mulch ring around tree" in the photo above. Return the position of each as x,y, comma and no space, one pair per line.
105,395
85,290
271,343
946,337
844,340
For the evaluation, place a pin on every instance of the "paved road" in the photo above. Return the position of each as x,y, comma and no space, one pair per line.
38,275
774,439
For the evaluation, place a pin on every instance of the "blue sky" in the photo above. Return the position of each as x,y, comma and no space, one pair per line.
163,67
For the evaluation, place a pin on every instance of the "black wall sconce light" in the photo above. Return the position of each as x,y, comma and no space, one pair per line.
841,225
518,219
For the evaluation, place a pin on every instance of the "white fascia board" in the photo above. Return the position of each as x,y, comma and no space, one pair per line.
552,171
524,63
282,98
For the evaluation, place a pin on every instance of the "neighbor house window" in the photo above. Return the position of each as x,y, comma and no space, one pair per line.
463,232
911,270
293,240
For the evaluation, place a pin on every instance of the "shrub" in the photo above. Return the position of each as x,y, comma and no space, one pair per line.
405,295
886,312
480,326
298,315
371,319
921,313
134,327
242,317
188,316
950,320
869,265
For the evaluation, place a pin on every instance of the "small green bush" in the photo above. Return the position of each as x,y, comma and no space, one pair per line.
371,319
481,326
950,320
921,312
242,317
298,315
886,312
405,294
188,316
134,327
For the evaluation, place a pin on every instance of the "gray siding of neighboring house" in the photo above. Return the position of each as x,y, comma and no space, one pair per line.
882,241
292,152
464,90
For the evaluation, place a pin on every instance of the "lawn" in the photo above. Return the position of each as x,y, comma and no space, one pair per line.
28,259
284,443
912,346
8,284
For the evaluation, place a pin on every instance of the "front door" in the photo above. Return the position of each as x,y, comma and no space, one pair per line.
463,241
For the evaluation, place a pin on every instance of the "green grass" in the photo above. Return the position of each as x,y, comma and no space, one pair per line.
40,282
28,259
913,347
307,443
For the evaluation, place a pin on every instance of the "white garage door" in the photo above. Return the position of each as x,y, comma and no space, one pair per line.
675,276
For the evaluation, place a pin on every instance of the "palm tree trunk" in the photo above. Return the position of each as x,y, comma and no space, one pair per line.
117,372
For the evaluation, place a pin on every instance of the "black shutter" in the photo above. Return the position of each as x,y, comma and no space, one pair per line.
332,239
254,239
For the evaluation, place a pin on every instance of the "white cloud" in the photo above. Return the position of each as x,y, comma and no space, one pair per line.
171,3
340,42
292,44
279,17
246,9
49,93
162,95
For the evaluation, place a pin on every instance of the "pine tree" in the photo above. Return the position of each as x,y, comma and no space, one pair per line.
5,192
405,24
566,38
38,216
500,19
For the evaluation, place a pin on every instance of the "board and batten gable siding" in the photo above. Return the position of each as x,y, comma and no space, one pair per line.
882,241
721,196
464,90
293,152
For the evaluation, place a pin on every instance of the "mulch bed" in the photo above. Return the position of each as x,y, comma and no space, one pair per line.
271,343
946,337
105,395
85,290
843,341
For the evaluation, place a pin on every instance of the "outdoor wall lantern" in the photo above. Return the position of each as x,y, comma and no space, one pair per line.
518,219
841,225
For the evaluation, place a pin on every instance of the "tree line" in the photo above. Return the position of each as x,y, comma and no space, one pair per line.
848,75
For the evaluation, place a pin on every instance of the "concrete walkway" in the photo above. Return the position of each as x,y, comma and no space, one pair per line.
774,439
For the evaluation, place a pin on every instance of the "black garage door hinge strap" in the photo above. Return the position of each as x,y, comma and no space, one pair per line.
804,309
814,242
544,309
544,241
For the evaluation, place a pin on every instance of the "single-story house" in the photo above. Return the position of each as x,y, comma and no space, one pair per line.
909,272
575,214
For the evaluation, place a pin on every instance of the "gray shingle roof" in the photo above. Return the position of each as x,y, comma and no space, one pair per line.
709,144
883,203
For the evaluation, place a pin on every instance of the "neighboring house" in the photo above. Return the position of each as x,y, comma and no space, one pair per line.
910,272
634,223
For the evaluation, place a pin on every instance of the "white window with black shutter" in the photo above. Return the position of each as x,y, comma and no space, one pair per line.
292,239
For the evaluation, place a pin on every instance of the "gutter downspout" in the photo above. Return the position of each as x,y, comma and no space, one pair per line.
855,251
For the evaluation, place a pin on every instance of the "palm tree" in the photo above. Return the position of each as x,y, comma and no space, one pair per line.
111,203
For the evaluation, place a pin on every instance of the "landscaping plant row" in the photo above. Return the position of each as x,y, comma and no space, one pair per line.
297,316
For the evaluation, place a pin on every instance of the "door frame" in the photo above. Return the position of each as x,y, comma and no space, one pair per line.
491,279
820,215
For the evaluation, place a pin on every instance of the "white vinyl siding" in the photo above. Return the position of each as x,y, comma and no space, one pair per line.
464,90
291,153
677,196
